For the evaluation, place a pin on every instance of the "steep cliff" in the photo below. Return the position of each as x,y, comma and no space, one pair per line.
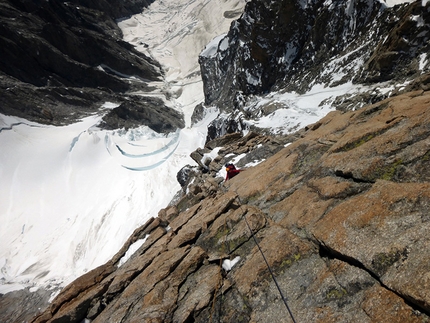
340,212
62,60
290,45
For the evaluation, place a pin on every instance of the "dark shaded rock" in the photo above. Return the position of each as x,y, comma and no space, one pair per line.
116,8
396,57
143,111
183,175
43,44
198,113
225,140
63,60
299,38
366,42
222,126
21,306
54,105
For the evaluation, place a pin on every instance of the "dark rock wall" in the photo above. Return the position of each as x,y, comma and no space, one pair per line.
60,43
273,40
60,59
289,43
397,55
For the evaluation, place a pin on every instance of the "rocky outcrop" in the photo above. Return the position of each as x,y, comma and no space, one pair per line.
291,45
21,305
340,212
148,111
400,53
62,60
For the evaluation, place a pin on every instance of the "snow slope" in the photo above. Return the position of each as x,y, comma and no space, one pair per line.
71,196
68,203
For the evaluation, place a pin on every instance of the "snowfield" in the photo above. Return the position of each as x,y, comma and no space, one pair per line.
70,196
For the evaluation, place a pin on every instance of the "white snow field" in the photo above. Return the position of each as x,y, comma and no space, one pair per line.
71,196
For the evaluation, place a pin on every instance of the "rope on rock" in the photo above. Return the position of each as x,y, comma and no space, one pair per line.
267,264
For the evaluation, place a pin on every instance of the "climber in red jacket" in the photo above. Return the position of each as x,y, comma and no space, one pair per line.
231,171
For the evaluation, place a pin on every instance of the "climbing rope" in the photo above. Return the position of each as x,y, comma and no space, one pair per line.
264,257
267,264
219,286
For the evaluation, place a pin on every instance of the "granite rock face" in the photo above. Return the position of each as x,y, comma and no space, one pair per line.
340,211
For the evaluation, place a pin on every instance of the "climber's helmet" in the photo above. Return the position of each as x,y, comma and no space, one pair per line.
229,167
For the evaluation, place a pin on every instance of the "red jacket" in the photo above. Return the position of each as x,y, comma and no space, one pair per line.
232,173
